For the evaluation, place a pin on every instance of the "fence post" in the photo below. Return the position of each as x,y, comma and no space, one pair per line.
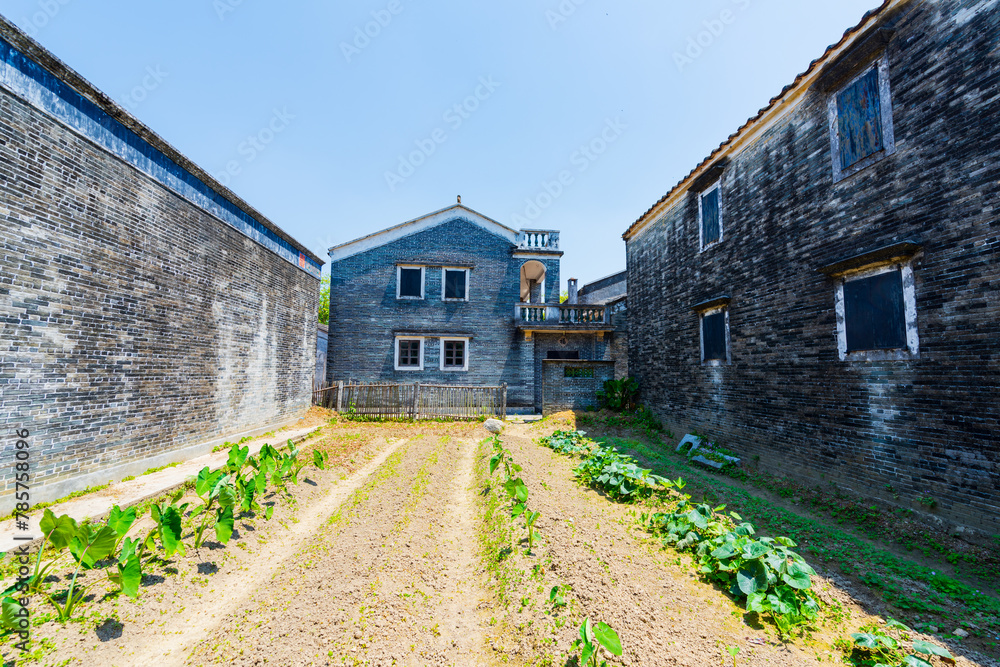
340,396
414,409
503,402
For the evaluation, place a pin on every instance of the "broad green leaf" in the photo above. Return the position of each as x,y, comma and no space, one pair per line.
797,579
130,574
587,632
914,661
893,623
227,495
60,531
587,653
12,613
517,510
91,545
697,518
784,541
865,640
757,602
608,638
931,649
888,642
224,525
494,462
723,552
205,481
756,550
260,482
319,460
129,548
197,511
237,457
120,521
170,532
268,512
752,578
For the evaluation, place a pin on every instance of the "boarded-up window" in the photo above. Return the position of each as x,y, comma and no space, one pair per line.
411,282
874,316
409,353
454,354
454,283
713,336
562,354
711,227
859,120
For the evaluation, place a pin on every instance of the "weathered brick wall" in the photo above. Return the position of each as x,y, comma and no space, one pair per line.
587,345
573,393
925,427
365,314
136,326
605,289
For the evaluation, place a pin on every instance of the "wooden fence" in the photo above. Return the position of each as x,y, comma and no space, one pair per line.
414,401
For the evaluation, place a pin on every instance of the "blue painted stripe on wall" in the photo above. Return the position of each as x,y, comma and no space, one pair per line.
27,79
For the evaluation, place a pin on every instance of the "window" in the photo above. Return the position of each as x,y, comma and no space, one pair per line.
876,314
861,121
409,282
715,336
563,354
455,284
454,354
578,373
409,354
710,213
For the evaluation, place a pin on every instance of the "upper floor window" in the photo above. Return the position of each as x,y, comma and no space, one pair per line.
861,121
710,215
409,282
455,284
454,354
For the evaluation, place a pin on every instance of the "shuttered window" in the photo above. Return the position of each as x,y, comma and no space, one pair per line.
874,315
711,219
859,119
713,336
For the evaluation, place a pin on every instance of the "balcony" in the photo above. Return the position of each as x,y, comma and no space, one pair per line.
538,240
565,318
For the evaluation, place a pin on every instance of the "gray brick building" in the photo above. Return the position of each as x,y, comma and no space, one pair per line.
146,310
823,291
454,297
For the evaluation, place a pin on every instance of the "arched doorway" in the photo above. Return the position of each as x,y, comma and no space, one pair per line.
533,282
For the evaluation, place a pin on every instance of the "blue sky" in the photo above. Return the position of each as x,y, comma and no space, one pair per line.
339,119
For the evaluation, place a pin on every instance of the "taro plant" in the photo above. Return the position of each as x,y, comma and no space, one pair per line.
89,545
168,526
128,572
592,638
557,598
619,395
218,496
515,487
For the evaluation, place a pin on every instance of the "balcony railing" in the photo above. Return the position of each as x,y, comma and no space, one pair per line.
562,315
538,239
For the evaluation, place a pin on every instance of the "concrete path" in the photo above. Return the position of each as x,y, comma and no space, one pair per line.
123,494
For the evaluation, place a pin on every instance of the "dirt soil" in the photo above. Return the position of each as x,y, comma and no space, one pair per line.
400,554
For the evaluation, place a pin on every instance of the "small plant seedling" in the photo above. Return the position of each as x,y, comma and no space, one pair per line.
732,651
592,638
556,597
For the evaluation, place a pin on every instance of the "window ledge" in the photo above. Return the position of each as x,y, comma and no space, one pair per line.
904,250
711,303
881,355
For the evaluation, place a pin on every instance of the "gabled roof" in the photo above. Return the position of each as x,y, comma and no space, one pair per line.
776,108
420,224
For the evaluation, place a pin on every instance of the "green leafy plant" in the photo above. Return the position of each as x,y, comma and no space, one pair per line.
592,638
875,646
556,597
517,490
733,651
619,395
618,475
570,443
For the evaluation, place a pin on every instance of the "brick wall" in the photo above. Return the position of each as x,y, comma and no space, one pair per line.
136,326
573,393
923,427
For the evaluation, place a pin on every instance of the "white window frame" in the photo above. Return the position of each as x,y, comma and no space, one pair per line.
450,369
701,336
420,354
444,272
399,283
885,106
701,221
912,349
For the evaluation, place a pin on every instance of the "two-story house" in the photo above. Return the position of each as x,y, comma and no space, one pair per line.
454,297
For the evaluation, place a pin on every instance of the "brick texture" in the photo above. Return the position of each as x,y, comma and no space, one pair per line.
925,427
